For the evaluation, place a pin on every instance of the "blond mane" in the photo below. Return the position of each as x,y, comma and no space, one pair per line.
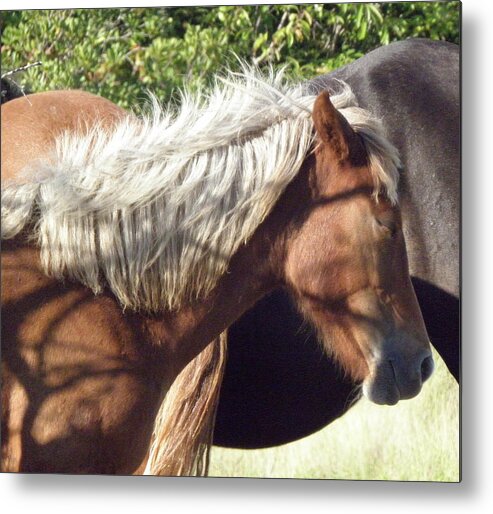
155,209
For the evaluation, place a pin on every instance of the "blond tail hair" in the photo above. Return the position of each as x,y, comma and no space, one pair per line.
184,426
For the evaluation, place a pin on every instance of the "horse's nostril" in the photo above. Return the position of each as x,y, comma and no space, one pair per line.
427,367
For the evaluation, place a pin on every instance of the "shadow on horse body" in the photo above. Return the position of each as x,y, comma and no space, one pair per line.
130,244
278,386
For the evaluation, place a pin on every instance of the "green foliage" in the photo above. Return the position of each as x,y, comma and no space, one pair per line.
121,53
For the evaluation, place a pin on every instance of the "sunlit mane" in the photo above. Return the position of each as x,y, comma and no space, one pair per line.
156,209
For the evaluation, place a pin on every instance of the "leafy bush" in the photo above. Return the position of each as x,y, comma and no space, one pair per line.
121,53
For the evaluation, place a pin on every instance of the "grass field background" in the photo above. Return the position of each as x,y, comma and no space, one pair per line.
415,440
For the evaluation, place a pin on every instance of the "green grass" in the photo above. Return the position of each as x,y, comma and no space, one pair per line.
415,440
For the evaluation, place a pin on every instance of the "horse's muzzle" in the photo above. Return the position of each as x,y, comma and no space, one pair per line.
395,378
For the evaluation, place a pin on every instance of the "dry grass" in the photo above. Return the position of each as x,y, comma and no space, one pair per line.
416,440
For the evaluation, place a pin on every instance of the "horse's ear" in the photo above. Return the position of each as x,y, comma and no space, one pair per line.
331,127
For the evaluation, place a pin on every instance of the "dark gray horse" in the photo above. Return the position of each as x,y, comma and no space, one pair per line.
278,385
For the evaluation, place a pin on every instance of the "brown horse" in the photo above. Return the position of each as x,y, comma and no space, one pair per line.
130,244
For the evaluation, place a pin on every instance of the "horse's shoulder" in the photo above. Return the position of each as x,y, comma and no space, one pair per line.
60,107
55,96
31,124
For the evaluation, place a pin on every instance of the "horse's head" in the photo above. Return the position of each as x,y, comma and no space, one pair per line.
346,263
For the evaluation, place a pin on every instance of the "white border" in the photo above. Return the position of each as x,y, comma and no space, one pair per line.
62,4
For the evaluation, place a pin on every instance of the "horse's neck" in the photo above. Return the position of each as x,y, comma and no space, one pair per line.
256,269
184,333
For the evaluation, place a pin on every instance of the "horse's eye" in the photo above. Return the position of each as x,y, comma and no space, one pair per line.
388,223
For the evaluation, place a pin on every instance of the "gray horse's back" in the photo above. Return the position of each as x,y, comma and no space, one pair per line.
413,87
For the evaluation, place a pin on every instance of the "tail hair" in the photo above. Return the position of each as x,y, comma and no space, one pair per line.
184,426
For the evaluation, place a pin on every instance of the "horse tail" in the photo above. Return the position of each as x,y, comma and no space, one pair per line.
183,430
